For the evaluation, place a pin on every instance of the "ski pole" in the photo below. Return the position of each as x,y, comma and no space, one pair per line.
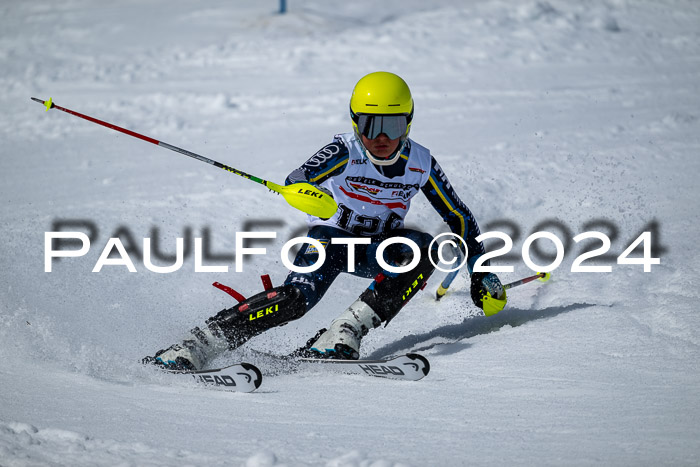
302,196
447,281
442,289
542,276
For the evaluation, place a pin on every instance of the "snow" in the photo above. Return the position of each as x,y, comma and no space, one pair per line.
584,114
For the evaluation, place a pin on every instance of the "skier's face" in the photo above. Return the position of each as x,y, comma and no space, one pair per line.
381,146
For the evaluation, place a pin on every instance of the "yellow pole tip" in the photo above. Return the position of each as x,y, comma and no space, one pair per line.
546,277
48,103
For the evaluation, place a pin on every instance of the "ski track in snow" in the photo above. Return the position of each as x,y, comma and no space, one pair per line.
584,114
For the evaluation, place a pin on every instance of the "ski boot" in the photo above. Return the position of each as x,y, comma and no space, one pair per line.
378,304
342,339
193,353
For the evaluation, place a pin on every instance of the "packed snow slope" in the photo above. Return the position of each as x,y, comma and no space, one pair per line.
558,116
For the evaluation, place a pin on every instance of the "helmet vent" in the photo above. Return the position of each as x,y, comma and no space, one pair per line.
372,105
394,105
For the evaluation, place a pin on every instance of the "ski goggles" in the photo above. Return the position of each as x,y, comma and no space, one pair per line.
371,126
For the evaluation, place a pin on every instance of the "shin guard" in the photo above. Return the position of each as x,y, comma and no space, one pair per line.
273,307
387,295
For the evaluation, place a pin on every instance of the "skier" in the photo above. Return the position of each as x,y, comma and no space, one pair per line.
372,173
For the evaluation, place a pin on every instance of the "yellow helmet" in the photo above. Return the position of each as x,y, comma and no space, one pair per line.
381,103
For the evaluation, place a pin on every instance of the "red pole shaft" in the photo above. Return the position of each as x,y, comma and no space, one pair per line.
101,122
151,140
523,281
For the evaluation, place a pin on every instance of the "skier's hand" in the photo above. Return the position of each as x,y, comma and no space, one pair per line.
487,292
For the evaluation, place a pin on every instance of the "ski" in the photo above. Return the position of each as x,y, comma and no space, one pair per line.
240,377
410,367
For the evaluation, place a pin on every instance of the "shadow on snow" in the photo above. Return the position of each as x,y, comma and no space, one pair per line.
471,326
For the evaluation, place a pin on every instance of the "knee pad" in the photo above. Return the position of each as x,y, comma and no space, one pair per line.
273,307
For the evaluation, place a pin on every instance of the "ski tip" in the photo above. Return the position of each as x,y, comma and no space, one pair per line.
426,363
254,369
